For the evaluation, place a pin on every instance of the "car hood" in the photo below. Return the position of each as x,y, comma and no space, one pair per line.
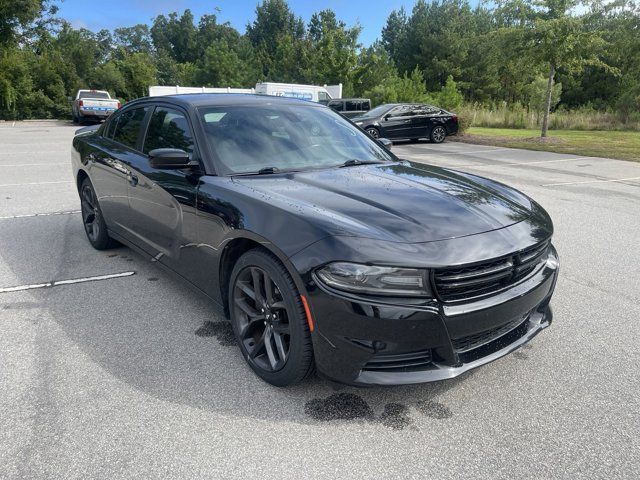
402,202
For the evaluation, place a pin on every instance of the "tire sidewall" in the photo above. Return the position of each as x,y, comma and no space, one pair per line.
103,241
296,367
433,139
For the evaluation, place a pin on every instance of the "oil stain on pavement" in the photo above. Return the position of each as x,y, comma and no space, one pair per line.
349,406
434,410
221,330
339,406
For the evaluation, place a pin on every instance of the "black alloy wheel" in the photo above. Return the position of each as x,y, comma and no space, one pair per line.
373,132
94,225
262,319
438,134
269,320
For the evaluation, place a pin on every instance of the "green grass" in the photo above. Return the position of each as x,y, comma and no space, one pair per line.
611,144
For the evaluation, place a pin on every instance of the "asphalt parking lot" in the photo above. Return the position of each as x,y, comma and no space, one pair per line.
136,375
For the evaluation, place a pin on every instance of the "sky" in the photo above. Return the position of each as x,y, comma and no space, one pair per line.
370,14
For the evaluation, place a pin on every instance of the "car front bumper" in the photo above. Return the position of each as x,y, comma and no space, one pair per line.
365,342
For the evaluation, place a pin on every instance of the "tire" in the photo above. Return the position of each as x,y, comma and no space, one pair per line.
373,131
270,327
75,119
92,218
438,134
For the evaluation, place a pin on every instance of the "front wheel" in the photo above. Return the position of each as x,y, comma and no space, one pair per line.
269,320
373,132
438,134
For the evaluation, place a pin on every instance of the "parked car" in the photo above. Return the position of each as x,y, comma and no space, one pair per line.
408,121
93,104
322,248
350,107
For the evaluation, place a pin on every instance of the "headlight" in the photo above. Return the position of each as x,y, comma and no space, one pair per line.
358,123
374,280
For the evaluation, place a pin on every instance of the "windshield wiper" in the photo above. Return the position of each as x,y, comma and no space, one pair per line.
354,161
264,171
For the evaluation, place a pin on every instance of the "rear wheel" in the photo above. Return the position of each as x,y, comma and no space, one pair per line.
92,218
438,134
268,319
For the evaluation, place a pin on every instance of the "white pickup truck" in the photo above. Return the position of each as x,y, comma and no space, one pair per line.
94,104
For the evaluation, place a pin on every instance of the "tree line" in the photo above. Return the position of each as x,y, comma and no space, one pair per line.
534,54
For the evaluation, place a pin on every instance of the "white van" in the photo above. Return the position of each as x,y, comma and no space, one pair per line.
311,93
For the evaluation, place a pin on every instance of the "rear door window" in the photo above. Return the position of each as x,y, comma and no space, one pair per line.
169,128
352,105
129,123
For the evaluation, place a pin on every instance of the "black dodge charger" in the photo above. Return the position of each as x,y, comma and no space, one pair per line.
408,121
323,249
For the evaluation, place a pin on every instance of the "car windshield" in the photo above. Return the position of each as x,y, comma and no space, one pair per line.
379,110
104,95
248,139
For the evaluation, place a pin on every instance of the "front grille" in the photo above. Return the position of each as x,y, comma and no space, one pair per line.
467,282
470,342
402,362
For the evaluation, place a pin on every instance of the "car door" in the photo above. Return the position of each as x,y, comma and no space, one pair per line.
163,201
397,122
420,121
433,117
108,165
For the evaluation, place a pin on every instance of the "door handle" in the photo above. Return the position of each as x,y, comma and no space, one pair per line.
133,179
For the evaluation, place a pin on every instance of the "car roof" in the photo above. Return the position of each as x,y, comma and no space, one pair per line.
216,99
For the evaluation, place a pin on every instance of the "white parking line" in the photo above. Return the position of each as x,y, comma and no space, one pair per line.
30,152
464,152
34,164
55,283
524,164
29,215
32,183
590,181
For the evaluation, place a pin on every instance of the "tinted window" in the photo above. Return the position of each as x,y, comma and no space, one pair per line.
336,105
352,105
102,95
110,126
428,110
366,104
380,110
292,137
168,128
128,127
402,111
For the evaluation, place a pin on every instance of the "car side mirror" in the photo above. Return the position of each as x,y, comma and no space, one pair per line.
386,143
170,158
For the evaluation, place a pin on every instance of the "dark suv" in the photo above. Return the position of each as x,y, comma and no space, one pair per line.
408,121
350,107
